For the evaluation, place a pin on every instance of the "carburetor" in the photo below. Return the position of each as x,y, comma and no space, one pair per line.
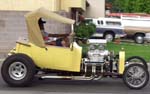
96,51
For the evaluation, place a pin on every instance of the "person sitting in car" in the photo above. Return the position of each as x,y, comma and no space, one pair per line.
45,35
64,42
60,39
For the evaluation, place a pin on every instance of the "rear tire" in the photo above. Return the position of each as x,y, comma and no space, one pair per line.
139,38
18,70
135,76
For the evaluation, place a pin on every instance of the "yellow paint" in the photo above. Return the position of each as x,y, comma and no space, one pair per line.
67,4
52,5
28,5
53,57
121,62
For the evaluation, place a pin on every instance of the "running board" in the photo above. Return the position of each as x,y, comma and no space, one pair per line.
68,77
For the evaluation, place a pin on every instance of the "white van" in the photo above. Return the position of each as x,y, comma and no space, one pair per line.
108,28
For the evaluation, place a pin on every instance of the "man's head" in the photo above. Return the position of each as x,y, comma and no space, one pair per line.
65,41
41,23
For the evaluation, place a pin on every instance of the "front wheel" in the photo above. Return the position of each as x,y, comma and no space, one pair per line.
136,76
109,37
18,70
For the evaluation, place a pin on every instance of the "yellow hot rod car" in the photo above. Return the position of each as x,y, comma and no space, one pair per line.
32,56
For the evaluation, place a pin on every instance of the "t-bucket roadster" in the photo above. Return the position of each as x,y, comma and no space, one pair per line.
33,58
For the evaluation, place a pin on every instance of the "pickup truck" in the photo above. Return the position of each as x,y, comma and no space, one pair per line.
107,28
137,27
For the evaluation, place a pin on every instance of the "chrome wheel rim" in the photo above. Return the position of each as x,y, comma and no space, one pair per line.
109,37
136,76
139,39
17,70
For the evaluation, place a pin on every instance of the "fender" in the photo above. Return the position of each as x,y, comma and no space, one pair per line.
121,66
140,58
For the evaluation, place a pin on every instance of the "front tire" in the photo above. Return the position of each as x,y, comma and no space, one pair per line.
109,37
136,76
18,70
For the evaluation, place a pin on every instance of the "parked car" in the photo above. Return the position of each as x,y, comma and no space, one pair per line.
147,37
139,34
137,27
32,56
107,28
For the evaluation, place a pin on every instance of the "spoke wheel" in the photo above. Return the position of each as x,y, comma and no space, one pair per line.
135,76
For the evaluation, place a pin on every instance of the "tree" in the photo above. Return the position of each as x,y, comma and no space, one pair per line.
130,6
147,6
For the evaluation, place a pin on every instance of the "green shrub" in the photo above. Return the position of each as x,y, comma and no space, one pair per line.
84,30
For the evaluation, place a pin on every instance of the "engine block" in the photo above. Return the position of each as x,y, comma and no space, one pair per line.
98,60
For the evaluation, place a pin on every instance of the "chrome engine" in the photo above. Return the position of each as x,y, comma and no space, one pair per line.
97,53
98,60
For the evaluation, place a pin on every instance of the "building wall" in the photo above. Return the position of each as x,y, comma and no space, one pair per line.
96,9
67,4
28,5
12,25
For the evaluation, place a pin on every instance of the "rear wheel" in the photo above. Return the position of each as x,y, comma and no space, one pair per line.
18,70
139,38
136,76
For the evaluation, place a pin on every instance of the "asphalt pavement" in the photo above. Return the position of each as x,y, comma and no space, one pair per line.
55,86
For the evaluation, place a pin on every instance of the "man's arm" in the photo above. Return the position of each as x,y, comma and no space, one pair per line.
58,35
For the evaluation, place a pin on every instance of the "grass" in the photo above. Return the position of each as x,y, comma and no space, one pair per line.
130,49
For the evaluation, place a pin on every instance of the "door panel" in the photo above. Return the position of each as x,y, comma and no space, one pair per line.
61,57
